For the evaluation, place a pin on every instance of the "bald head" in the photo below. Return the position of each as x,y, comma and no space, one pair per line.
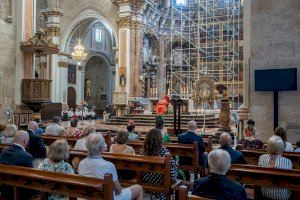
21,138
33,126
225,139
192,126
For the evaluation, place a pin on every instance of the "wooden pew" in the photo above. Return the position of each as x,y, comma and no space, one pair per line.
140,164
48,139
252,156
264,176
207,142
53,182
258,177
182,150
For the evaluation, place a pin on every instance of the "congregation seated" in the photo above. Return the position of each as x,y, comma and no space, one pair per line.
275,160
297,149
57,154
189,138
131,128
120,147
279,131
159,124
9,134
249,141
55,127
16,155
73,131
217,185
225,144
153,146
95,166
39,131
36,146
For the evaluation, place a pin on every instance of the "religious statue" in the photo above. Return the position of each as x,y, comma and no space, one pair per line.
88,88
122,80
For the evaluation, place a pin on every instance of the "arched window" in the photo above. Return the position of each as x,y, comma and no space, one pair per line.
180,2
98,35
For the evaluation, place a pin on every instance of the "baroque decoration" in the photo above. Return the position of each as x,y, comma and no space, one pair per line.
39,44
204,90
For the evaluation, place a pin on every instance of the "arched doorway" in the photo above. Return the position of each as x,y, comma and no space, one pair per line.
71,97
97,80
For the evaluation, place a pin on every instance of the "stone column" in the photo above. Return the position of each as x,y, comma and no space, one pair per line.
63,63
52,16
244,109
162,69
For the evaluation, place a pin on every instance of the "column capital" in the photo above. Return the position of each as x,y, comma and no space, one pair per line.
131,22
52,12
63,59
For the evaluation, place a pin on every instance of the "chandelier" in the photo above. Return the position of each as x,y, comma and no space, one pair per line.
79,55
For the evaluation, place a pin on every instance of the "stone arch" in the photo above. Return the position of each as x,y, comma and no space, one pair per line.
86,15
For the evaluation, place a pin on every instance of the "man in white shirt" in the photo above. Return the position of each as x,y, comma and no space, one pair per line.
95,166
55,127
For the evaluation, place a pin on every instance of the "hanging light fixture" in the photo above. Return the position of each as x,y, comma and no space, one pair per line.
79,54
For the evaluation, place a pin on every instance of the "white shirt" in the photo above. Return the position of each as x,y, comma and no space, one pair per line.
275,192
289,147
80,144
97,167
55,130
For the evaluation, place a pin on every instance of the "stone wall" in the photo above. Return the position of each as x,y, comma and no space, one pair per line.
275,43
7,67
72,8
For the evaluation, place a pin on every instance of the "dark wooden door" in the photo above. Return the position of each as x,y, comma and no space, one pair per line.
71,97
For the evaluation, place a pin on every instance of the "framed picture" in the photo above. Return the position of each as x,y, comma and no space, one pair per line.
16,120
23,119
72,74
31,117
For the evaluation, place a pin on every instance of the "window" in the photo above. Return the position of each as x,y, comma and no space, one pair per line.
180,2
98,35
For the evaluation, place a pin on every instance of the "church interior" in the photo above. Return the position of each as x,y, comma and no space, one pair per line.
149,99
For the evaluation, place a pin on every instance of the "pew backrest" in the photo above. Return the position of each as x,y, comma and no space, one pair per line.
53,182
139,164
252,156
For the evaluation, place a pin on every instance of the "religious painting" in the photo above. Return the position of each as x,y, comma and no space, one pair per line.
23,119
72,74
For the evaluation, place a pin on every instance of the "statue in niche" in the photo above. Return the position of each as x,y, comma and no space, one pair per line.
122,80
88,88
146,50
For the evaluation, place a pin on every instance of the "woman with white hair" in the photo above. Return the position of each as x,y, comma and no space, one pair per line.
9,134
275,160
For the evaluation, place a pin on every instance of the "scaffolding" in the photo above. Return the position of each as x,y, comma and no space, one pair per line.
206,39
